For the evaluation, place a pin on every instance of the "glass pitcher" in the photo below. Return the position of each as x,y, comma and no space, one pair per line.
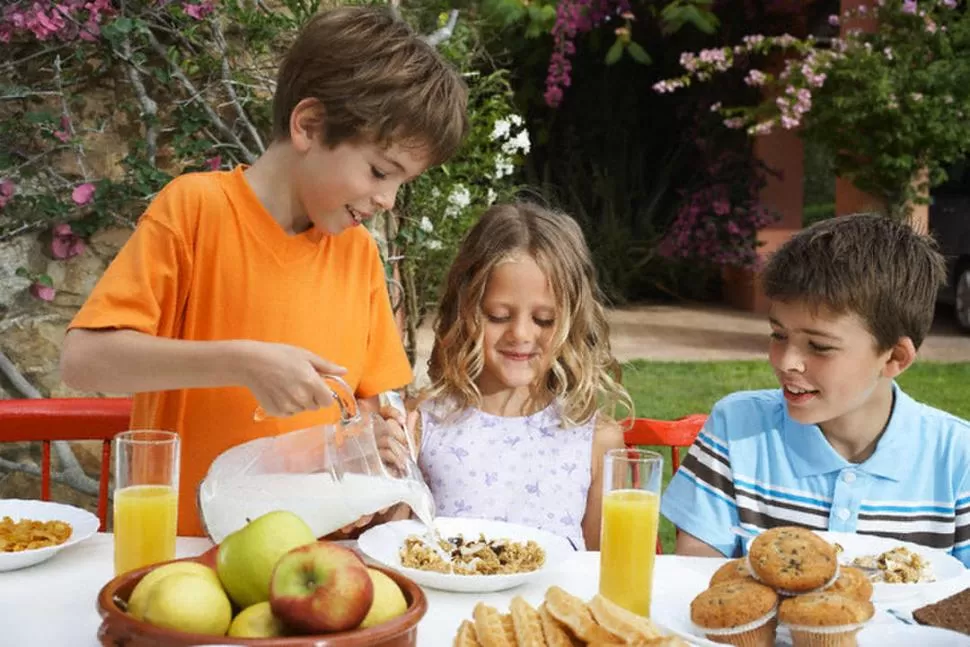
328,475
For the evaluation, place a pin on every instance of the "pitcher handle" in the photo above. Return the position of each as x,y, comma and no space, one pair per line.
342,394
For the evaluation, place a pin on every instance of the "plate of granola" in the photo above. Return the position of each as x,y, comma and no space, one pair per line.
34,531
468,555
898,569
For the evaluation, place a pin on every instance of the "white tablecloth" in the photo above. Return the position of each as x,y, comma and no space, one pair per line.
54,604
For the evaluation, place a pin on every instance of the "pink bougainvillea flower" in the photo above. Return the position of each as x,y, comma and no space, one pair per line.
6,191
64,134
214,163
65,243
198,11
83,193
42,292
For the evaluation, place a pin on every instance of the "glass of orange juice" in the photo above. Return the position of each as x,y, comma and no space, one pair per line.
628,531
146,474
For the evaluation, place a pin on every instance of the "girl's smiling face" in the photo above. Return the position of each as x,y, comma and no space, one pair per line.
519,313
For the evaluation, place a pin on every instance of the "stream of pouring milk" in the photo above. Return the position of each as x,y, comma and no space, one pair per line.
323,503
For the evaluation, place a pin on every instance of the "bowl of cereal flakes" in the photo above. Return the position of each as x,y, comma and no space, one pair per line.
34,531
466,555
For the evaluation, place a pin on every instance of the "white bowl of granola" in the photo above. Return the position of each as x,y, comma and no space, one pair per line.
472,556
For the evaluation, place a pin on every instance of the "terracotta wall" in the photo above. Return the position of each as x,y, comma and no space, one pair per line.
783,152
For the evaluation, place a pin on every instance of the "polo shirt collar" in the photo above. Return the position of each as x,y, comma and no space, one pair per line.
810,454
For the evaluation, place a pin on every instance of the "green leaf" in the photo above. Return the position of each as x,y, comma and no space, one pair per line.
124,25
615,52
638,54
44,279
22,272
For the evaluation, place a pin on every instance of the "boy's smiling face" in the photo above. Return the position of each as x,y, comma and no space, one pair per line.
341,187
828,364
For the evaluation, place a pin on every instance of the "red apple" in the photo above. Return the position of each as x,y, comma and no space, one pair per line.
320,587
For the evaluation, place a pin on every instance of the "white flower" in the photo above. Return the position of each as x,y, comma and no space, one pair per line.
490,196
516,120
426,225
517,143
459,196
434,244
503,166
458,199
435,192
501,129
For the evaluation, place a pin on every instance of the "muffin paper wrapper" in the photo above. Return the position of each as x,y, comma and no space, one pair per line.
740,629
837,629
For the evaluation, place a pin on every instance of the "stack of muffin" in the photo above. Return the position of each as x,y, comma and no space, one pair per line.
791,577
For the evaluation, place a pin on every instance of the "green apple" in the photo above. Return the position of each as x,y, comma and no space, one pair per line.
189,602
388,601
246,558
321,587
139,596
256,621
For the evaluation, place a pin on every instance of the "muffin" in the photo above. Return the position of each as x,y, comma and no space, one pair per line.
735,569
853,583
824,619
792,560
737,612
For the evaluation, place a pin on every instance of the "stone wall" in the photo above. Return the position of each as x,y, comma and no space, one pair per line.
31,332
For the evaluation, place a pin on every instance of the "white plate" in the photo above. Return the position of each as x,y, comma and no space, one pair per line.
883,635
383,542
945,566
83,525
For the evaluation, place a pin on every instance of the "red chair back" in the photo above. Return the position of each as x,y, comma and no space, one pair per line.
47,420
665,433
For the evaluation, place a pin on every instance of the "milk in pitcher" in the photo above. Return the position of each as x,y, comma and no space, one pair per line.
324,503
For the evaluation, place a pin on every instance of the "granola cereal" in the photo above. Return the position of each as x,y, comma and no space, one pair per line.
481,556
28,534
897,566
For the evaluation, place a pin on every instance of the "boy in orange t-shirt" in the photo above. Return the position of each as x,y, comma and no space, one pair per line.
241,288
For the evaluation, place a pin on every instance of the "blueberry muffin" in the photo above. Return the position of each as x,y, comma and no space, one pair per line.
824,619
853,583
737,612
735,569
792,560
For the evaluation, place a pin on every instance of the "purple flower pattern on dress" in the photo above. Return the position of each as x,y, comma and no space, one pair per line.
527,470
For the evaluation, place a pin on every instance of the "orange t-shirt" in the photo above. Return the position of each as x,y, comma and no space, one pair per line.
208,262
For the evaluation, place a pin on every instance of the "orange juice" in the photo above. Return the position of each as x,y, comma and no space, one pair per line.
144,525
628,547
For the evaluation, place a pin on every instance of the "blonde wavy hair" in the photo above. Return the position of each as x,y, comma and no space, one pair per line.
583,375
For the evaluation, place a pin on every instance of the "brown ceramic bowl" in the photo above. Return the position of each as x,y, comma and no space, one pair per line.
118,629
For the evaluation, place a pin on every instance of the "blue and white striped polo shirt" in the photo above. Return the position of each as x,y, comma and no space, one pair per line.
753,466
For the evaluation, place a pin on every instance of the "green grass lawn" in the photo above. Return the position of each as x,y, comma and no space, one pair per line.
668,390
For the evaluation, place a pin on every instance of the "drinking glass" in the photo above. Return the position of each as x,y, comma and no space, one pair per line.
628,531
146,480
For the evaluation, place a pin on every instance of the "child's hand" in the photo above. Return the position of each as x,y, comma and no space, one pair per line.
285,379
392,439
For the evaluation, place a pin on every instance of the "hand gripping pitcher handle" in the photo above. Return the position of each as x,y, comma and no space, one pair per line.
342,394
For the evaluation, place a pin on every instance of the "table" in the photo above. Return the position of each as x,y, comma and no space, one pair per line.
54,604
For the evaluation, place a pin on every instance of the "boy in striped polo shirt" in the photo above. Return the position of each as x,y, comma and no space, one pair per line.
839,446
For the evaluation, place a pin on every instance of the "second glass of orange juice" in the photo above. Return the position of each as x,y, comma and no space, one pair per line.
628,532
145,498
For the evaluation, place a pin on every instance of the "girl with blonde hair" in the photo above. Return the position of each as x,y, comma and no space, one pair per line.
518,414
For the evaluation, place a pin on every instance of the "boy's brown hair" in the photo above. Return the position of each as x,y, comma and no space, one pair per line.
375,79
878,268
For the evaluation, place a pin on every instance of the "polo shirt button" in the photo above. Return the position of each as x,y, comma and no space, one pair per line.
848,477
844,513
